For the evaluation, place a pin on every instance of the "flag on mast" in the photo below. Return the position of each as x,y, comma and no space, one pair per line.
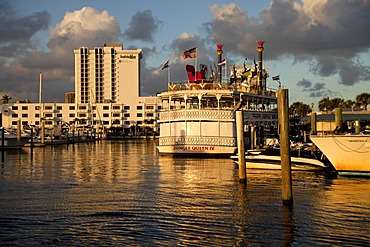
166,65
223,62
191,53
276,78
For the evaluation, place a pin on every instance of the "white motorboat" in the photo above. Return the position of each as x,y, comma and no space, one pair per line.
11,140
348,153
260,159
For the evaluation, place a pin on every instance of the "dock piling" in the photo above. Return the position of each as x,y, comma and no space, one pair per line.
241,152
286,172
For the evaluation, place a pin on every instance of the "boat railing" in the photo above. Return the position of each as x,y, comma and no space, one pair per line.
212,85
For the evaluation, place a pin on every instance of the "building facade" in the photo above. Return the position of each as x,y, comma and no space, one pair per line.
107,74
107,94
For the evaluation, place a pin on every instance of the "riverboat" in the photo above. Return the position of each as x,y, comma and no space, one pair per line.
348,153
198,115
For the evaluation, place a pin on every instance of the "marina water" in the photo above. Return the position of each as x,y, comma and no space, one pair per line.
122,193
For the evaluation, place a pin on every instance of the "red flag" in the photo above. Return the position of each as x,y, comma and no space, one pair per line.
191,53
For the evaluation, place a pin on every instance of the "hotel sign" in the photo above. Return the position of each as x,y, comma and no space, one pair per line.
128,56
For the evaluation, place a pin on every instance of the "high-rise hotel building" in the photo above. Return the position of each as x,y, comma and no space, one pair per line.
107,94
107,74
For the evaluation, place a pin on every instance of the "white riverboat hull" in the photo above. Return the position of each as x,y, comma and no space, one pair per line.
202,150
349,154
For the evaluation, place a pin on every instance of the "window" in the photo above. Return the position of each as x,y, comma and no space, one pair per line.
59,115
72,107
24,122
24,115
14,115
72,115
82,107
37,115
105,114
139,107
106,107
127,115
14,107
14,122
149,107
59,108
25,108
82,115
126,107
139,115
115,115
48,107
37,107
48,115
139,122
116,107
149,114
126,122
105,122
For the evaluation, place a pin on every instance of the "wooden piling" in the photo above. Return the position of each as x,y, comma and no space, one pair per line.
3,145
241,152
286,173
19,132
42,131
313,128
357,126
338,118
31,138
253,137
313,123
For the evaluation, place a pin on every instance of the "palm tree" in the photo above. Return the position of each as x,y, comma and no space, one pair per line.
337,102
5,99
325,104
363,100
299,109
348,104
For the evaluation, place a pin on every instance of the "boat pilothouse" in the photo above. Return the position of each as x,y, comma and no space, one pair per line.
198,115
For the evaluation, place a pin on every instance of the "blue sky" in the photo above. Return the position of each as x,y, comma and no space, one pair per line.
320,48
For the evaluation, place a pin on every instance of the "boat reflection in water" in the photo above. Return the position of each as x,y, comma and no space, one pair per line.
124,193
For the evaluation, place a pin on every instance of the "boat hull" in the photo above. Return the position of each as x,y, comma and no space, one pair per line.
13,142
199,150
270,162
349,154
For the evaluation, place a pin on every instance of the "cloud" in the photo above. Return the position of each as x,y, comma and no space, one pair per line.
84,27
317,89
17,31
143,26
331,33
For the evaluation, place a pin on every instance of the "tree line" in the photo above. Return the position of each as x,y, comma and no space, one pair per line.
299,109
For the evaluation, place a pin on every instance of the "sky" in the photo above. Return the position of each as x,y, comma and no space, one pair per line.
320,48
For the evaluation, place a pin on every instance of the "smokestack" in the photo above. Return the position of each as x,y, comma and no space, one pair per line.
219,53
260,50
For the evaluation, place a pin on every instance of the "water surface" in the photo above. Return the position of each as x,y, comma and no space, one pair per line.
123,193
